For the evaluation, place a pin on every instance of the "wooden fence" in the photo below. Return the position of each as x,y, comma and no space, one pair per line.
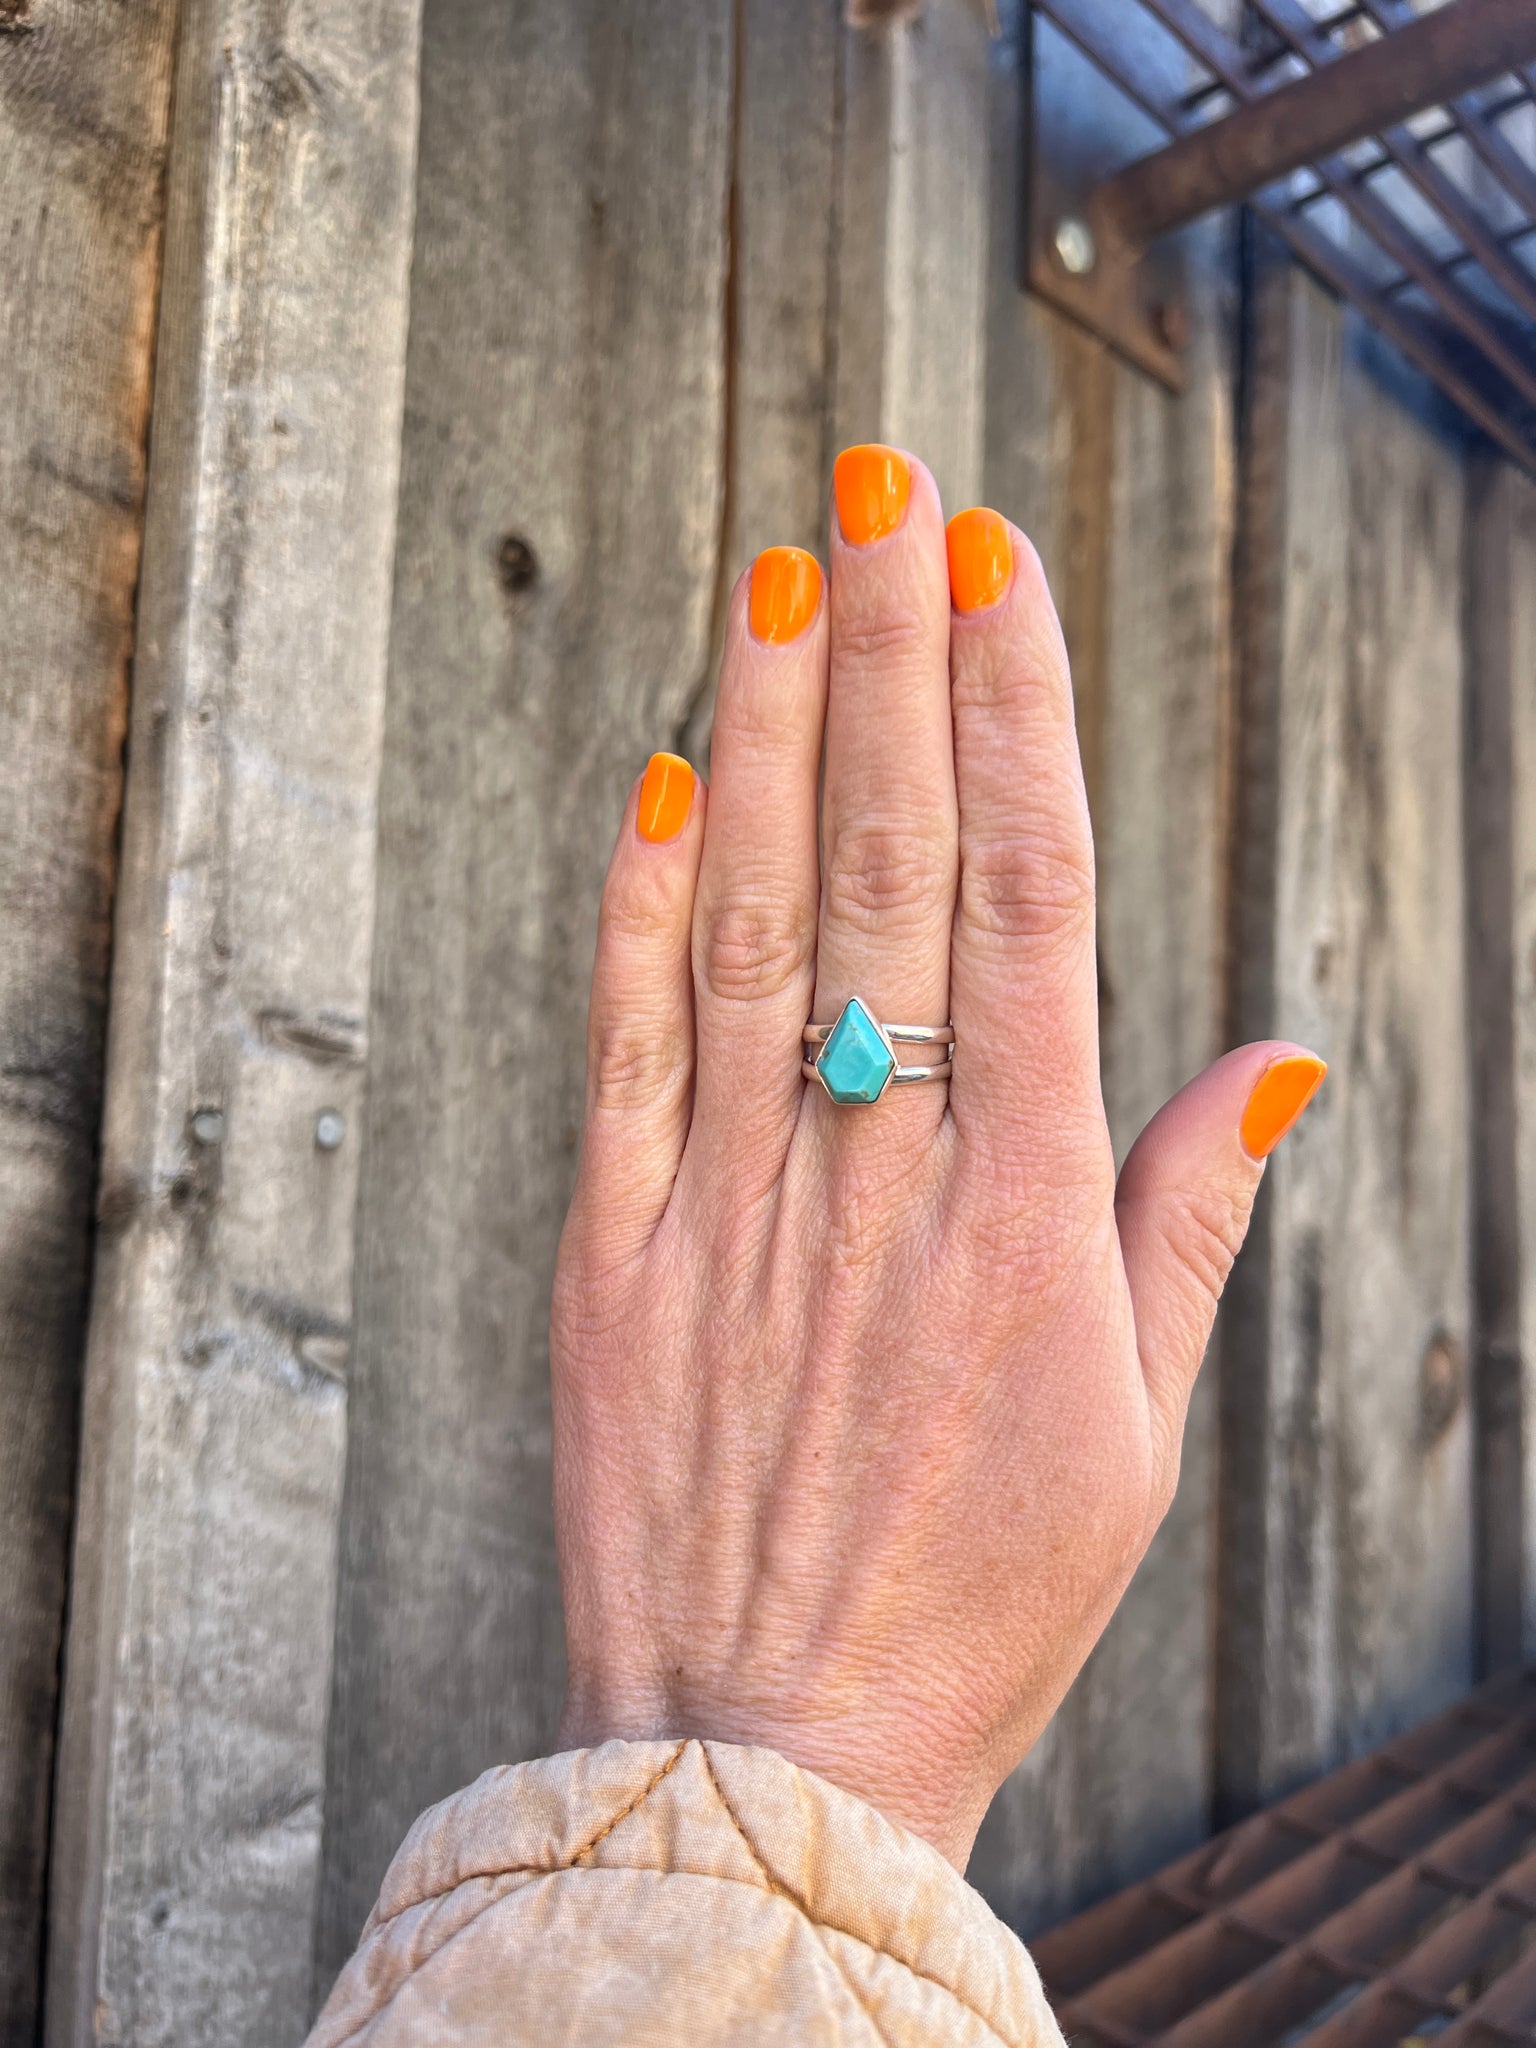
487,342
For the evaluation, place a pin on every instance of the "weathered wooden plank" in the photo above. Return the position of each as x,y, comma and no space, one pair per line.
560,527
1522,675
912,253
84,94
1495,759
1499,614
782,244
186,1851
1128,494
1346,1552
785,239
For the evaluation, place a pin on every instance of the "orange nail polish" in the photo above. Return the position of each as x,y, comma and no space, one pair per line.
980,558
871,485
666,795
786,589
1279,1096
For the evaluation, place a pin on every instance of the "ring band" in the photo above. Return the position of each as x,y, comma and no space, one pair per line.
856,1058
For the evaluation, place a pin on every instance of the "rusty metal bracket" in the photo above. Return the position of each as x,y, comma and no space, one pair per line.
1291,112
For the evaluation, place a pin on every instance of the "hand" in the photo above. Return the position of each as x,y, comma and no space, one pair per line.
865,1415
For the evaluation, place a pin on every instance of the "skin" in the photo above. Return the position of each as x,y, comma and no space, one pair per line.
864,1417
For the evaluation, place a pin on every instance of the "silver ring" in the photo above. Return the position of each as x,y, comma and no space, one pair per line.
856,1061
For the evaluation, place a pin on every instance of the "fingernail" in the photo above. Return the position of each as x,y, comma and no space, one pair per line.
980,558
786,589
1279,1096
666,794
870,484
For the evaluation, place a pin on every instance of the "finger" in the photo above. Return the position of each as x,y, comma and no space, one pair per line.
1024,995
640,1019
889,818
754,929
1183,1202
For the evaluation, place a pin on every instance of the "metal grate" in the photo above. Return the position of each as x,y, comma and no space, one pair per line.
1390,1904
1428,225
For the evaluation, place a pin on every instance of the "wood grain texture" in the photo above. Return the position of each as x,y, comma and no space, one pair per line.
783,237
912,253
1522,671
566,413
186,1850
1346,1548
1497,561
84,94
1128,494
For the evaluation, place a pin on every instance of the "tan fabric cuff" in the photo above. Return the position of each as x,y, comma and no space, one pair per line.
677,1891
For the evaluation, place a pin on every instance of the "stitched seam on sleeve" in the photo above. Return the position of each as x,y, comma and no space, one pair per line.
572,1862
821,1928
539,1869
783,1891
625,1811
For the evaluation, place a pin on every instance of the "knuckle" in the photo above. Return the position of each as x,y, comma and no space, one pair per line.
880,640
635,1064
751,951
880,872
1026,891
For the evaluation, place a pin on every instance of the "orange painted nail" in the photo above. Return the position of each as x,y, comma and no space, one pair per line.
786,589
871,484
980,558
1279,1096
666,796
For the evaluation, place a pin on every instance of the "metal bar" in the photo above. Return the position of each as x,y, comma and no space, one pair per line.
1436,57
1475,120
1323,256
1103,56
1329,262
1403,150
1205,41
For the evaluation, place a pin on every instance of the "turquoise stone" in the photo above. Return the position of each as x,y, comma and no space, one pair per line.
855,1062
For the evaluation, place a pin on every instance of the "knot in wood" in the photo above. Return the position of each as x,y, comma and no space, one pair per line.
1442,1385
517,565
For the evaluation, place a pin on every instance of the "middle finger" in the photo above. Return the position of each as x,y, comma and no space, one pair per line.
890,825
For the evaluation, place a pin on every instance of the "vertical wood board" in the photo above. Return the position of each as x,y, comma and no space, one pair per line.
186,1850
912,253
1499,569
783,238
1520,495
1347,1538
84,96
560,532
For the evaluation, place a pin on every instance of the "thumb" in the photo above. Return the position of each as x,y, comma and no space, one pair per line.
1184,1198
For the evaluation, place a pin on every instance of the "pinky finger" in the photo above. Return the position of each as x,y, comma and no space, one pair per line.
640,1035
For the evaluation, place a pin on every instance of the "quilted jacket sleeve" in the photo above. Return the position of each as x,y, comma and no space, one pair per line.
658,1893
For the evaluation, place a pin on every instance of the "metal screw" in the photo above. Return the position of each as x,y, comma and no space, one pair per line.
1076,250
330,1129
208,1126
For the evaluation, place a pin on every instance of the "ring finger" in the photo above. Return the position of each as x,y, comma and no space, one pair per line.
890,831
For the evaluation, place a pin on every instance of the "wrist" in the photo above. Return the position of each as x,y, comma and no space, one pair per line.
902,1774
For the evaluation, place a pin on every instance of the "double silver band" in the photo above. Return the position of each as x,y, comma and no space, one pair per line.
904,1034
939,1071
